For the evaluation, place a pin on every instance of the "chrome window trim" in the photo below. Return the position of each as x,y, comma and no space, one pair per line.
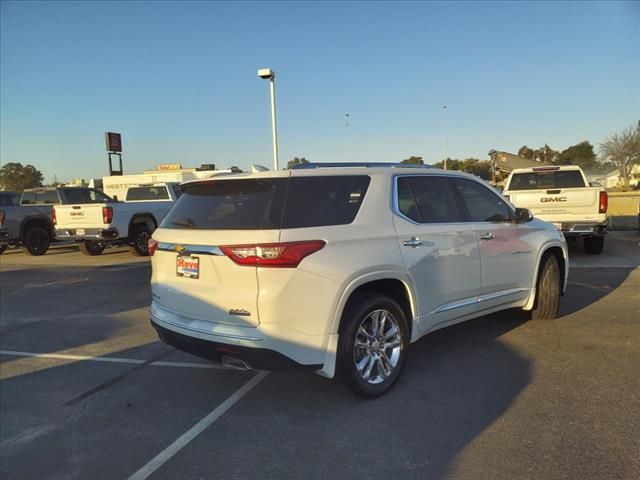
181,249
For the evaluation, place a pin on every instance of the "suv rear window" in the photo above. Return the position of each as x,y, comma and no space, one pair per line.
544,180
257,204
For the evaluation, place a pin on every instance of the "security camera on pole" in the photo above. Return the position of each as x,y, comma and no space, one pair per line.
267,73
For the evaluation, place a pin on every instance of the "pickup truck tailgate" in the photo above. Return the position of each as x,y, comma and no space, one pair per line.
560,204
79,216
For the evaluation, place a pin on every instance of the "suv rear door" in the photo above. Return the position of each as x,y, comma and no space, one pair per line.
440,250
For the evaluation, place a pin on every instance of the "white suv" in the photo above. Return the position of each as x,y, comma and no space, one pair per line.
338,267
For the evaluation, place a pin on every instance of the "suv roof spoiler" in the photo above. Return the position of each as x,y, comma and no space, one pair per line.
303,166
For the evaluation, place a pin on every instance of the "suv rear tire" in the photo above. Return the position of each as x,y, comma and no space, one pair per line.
91,248
373,344
36,241
140,238
594,245
548,287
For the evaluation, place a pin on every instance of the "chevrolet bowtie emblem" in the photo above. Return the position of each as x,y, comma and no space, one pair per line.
179,248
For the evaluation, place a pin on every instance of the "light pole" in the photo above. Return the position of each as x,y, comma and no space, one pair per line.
267,73
444,108
346,137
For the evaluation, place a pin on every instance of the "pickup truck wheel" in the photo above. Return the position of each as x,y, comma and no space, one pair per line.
373,345
2,249
548,287
36,241
91,248
594,245
140,239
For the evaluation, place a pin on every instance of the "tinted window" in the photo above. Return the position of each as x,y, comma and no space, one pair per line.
482,204
50,197
427,200
260,204
229,205
147,193
319,201
85,195
28,198
545,180
9,199
177,191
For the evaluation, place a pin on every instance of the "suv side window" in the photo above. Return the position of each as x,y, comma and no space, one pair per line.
482,204
427,199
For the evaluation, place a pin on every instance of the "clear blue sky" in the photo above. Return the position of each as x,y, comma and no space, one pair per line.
179,80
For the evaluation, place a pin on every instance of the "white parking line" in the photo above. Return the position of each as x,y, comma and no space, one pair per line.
134,361
196,430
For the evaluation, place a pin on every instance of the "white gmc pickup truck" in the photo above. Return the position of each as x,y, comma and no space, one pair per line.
562,195
96,225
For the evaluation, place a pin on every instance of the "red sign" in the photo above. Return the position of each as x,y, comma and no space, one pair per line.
114,142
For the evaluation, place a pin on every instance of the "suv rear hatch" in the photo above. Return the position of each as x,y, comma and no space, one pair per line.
192,276
218,233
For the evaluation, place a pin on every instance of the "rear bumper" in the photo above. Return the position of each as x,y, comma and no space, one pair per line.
584,229
260,348
106,234
252,358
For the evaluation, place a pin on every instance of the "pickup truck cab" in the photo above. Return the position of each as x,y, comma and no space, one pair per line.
94,225
562,195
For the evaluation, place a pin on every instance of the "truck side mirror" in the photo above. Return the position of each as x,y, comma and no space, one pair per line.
523,215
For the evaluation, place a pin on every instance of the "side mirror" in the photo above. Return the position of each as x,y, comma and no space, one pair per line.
523,215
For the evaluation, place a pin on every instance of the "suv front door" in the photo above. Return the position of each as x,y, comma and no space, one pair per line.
439,249
508,258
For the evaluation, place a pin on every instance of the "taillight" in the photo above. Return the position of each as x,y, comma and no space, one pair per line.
107,214
53,216
1,216
153,246
604,202
277,255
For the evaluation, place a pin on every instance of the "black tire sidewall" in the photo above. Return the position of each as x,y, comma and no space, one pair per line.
542,308
355,313
92,248
135,248
29,238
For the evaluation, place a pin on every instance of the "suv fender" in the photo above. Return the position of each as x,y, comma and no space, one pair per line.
328,369
364,278
563,262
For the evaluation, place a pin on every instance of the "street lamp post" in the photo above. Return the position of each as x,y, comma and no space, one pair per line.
346,137
267,73
444,108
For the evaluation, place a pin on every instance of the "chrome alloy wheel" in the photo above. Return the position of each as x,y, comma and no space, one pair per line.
377,347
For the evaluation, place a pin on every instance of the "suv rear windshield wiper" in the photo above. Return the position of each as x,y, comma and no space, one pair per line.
184,222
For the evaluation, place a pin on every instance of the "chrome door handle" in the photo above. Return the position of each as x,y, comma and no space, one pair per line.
413,242
487,236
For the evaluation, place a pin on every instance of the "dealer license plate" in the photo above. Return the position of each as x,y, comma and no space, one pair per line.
188,266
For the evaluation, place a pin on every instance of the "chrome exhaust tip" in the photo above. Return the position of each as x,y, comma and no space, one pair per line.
235,363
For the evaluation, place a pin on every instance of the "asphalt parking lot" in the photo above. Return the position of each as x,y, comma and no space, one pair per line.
88,391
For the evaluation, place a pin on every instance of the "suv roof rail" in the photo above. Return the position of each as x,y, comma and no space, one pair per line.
303,166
